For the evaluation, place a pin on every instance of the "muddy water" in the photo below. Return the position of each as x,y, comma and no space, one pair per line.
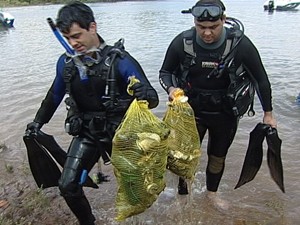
27,65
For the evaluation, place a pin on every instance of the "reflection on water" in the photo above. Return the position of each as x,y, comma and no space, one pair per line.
27,64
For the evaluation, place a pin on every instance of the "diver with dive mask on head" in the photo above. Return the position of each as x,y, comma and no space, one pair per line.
205,61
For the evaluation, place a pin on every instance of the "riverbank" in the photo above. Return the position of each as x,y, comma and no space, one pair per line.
23,203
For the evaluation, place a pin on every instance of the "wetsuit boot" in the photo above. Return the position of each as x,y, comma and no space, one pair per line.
182,187
81,209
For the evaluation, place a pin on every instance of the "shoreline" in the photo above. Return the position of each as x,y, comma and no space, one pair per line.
18,3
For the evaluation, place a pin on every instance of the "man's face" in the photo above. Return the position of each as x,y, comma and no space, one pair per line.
81,39
209,31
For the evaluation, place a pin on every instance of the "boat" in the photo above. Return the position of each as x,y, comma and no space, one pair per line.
6,19
281,5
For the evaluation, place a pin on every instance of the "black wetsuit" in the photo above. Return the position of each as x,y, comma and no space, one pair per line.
205,94
89,96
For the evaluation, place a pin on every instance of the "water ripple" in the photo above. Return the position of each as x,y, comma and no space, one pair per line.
27,68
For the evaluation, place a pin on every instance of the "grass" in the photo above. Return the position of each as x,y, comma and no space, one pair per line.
33,202
23,203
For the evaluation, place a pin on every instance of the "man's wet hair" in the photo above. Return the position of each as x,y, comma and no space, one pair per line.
74,12
213,2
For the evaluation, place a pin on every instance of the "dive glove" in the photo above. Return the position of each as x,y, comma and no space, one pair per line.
139,91
33,128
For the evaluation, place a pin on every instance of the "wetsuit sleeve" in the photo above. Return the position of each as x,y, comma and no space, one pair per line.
54,95
252,60
128,66
171,63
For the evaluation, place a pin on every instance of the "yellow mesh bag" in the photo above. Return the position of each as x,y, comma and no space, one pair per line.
139,157
183,141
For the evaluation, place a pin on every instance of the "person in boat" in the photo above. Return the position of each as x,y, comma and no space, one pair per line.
93,114
201,77
271,5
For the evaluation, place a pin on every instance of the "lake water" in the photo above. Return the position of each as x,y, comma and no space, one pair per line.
27,68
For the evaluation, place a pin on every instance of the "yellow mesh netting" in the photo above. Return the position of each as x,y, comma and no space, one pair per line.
183,141
139,157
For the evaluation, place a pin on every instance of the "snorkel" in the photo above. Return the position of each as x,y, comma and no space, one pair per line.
82,68
70,52
60,37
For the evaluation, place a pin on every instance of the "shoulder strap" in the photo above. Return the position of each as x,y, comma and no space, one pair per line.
227,47
68,75
188,41
227,58
190,54
111,82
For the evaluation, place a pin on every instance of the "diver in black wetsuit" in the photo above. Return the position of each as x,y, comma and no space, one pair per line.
206,93
93,114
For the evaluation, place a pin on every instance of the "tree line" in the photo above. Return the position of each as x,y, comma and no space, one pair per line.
9,3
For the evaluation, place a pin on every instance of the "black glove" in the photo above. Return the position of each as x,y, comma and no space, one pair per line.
139,91
33,128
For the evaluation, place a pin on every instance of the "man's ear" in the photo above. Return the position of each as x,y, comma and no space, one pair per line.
93,27
223,18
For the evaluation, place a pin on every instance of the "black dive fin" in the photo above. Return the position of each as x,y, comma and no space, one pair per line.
58,153
52,147
43,168
274,157
254,154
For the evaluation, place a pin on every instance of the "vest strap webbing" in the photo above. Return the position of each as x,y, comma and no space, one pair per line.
191,54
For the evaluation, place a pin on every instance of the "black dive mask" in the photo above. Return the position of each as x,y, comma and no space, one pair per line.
207,12
89,61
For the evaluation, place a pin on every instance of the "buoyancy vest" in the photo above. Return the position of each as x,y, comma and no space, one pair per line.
239,96
84,105
106,81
